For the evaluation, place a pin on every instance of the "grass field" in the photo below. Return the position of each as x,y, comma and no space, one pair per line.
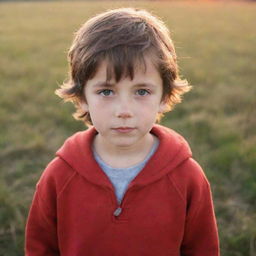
216,45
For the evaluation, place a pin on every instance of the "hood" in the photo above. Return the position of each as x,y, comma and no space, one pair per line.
172,151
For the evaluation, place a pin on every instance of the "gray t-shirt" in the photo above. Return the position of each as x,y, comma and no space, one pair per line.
121,177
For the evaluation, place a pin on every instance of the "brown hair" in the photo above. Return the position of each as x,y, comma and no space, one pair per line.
122,37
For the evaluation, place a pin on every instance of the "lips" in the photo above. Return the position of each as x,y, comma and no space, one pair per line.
124,129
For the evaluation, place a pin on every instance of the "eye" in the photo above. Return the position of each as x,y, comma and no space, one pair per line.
142,92
105,92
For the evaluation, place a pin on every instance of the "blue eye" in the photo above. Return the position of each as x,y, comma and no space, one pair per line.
142,92
106,92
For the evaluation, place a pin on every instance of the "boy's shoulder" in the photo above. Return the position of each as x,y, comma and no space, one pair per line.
190,179
181,148
73,154
186,175
55,176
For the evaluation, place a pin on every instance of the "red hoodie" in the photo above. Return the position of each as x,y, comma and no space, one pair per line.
167,209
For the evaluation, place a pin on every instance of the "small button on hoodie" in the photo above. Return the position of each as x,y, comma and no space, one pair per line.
118,211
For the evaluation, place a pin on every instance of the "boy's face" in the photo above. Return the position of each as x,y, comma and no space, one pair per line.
123,113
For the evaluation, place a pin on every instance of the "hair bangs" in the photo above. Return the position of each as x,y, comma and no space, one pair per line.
122,62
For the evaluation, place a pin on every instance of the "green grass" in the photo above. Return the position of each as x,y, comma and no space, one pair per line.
216,45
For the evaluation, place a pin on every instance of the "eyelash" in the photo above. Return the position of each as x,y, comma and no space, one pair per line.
101,92
144,90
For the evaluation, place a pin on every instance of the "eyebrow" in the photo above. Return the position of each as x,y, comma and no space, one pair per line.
104,84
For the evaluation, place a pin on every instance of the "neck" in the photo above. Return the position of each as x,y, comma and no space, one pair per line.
123,156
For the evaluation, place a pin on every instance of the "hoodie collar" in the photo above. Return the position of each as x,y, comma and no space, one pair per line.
172,151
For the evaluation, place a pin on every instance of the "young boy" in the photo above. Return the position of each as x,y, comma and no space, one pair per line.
126,186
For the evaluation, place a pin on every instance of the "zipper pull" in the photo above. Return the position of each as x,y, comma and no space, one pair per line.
118,211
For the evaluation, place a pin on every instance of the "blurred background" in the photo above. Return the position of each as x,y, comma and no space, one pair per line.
216,45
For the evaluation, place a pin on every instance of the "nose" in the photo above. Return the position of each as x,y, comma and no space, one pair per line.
123,109
124,115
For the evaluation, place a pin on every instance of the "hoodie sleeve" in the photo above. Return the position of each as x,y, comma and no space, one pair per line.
41,229
200,233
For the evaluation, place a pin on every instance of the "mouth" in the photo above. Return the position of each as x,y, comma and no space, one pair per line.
123,129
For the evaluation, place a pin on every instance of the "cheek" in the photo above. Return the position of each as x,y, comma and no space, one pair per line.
99,119
96,106
148,114
149,107
98,112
